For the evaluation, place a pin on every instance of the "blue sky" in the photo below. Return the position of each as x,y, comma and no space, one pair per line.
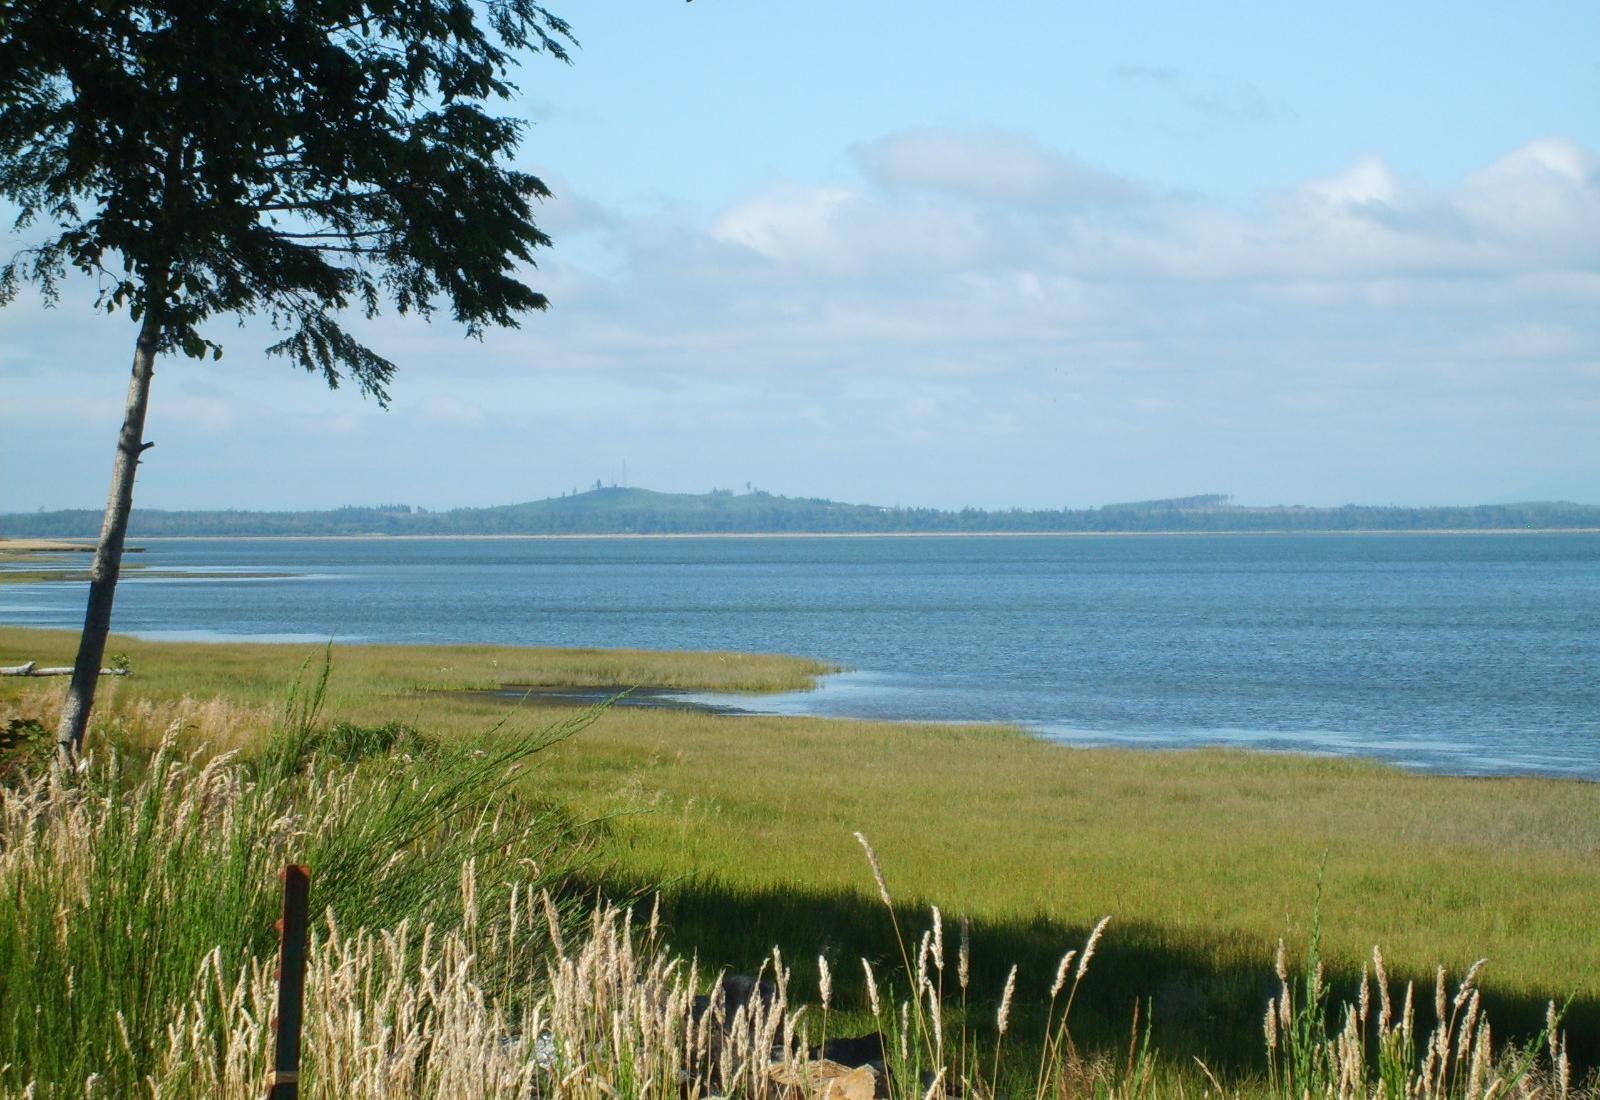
937,254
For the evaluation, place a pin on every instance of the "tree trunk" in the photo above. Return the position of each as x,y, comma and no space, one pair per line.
108,555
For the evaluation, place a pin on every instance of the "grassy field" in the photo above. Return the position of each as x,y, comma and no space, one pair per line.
381,674
1202,859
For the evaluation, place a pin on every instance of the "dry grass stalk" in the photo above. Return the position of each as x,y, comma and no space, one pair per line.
405,1013
1457,1061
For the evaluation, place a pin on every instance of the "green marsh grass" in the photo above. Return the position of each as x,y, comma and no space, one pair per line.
256,673
494,993
1207,858
1364,1050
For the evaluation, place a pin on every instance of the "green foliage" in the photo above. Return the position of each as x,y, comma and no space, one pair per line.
273,157
25,748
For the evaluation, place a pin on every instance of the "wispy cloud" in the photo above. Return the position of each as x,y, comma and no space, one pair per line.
1211,97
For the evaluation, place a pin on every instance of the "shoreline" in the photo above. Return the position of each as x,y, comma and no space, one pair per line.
1274,532
744,702
652,694
689,701
642,698
1298,724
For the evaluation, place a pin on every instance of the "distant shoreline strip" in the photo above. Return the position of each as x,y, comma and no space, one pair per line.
375,536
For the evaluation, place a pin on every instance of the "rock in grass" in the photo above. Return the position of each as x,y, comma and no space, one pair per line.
859,1050
738,991
824,1079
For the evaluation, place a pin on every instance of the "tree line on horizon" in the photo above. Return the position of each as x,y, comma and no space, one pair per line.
633,511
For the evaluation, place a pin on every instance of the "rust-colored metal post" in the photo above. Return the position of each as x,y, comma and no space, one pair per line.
284,1081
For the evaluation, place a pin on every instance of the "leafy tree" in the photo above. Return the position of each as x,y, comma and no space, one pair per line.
288,158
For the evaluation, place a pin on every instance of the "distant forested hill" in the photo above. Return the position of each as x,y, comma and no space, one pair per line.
606,511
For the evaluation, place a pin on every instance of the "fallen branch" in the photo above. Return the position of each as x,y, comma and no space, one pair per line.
32,669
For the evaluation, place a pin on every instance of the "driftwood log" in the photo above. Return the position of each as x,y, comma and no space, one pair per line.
32,669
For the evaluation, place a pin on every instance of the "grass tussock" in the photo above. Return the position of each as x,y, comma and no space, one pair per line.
134,880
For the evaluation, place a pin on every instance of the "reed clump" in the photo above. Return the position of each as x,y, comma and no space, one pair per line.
1356,1053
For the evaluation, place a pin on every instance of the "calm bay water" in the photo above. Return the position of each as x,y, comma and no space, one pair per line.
1473,654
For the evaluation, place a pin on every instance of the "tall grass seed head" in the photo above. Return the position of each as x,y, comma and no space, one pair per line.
1469,981
877,869
924,949
1088,948
1063,968
1385,1013
1003,1017
872,989
964,958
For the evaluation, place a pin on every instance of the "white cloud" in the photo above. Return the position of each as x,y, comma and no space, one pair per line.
975,205
1542,200
990,166
789,223
969,309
